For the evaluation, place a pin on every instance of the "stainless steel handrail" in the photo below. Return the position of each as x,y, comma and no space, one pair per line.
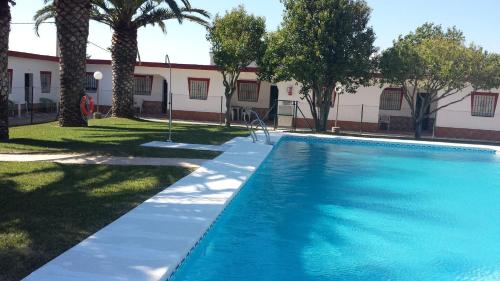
257,122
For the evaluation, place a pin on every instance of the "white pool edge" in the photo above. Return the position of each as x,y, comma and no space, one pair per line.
422,143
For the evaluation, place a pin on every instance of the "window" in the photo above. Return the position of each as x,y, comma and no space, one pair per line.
10,74
90,83
143,85
391,99
45,77
198,88
483,104
248,91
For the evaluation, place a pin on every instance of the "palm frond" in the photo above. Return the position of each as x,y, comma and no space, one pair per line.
159,15
172,4
45,13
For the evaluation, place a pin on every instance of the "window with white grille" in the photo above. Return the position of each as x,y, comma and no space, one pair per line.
90,83
484,104
45,77
198,88
143,85
10,73
391,99
248,91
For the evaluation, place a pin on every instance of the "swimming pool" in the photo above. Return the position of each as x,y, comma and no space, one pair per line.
348,210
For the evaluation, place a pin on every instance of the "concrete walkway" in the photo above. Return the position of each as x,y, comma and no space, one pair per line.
103,160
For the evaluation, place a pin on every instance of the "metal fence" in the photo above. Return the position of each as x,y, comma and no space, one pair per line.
362,118
31,105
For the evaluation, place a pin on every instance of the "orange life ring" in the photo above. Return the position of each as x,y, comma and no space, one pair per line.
87,105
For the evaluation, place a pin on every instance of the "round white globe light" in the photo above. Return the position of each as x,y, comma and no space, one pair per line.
98,75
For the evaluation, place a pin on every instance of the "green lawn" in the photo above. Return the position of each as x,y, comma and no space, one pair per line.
118,137
46,208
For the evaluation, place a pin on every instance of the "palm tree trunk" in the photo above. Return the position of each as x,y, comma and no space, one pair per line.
72,21
4,77
124,54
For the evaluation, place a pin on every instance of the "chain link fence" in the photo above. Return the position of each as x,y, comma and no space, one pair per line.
362,118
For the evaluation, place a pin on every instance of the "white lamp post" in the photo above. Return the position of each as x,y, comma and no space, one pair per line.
98,77
339,89
167,60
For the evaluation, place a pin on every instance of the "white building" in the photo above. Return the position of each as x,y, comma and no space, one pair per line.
198,94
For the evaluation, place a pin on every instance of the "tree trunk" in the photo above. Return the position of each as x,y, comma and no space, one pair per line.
228,110
124,54
4,76
72,21
418,128
323,116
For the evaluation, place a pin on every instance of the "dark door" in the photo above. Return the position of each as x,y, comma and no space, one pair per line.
273,102
164,101
28,90
420,101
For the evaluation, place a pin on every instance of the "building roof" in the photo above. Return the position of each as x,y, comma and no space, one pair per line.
17,54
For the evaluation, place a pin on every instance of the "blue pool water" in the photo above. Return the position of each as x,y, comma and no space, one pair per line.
329,211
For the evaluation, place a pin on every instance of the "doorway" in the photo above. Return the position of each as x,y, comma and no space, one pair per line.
28,90
421,97
164,100
273,102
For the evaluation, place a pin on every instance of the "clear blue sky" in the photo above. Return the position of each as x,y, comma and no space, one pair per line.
479,19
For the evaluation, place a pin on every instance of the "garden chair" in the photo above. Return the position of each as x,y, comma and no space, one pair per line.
48,105
246,114
12,108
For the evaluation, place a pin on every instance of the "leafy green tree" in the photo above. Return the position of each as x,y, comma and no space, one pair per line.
4,58
236,40
125,18
437,62
321,44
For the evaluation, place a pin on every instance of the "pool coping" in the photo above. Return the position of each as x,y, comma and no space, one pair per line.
416,143
152,240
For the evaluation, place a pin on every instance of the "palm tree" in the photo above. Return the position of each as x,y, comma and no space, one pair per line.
4,58
125,18
72,22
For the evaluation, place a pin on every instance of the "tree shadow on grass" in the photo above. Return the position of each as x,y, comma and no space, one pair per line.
129,147
121,140
40,223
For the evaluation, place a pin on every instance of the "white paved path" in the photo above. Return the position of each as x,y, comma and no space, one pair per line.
103,160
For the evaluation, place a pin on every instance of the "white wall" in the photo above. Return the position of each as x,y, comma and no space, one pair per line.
20,66
458,115
180,89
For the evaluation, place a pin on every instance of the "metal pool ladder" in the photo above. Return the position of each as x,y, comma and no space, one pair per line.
255,124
